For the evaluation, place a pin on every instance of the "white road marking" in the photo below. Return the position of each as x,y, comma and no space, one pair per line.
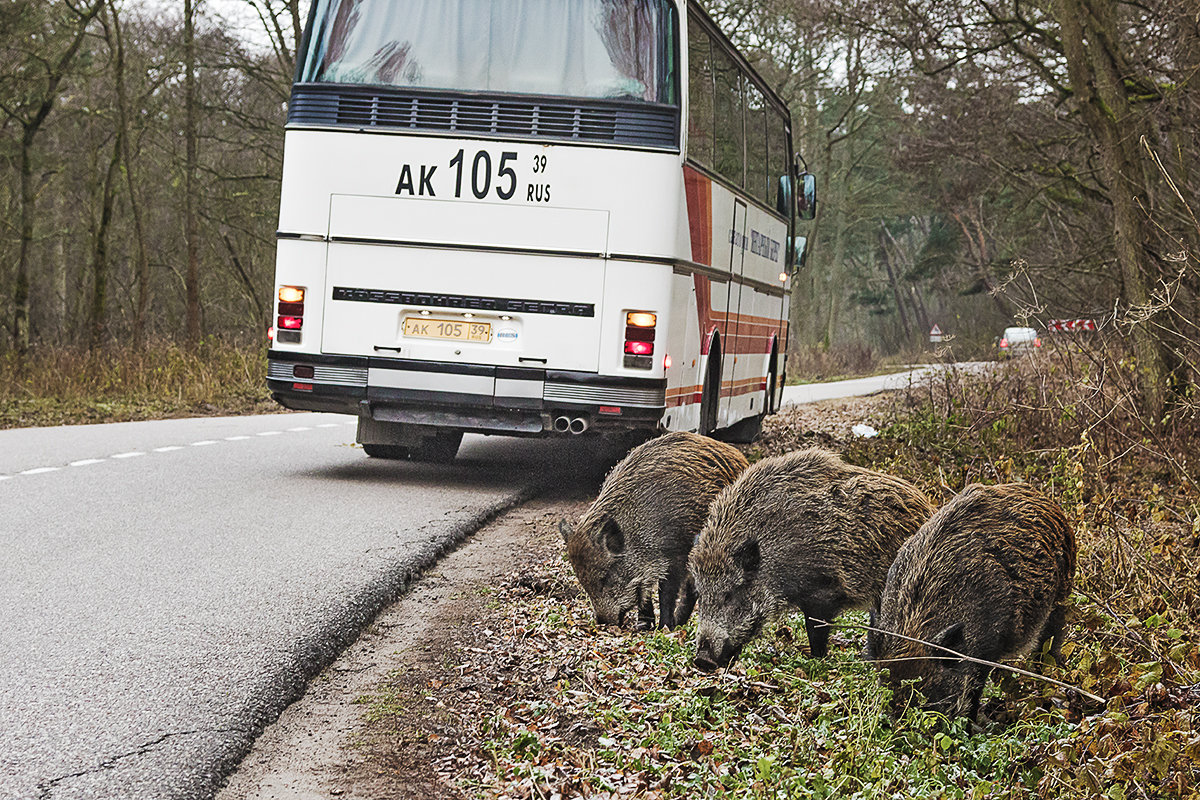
86,462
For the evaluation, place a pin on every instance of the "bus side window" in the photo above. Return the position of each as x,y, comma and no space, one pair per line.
757,183
779,160
731,144
700,95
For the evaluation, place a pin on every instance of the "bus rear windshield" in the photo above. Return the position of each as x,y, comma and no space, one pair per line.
619,49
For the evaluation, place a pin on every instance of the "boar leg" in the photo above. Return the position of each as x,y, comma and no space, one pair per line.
668,593
818,636
687,601
645,620
976,679
1055,632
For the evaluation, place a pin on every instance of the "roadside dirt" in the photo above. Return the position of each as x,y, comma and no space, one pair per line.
403,712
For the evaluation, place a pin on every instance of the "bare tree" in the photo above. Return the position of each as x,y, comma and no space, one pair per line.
39,48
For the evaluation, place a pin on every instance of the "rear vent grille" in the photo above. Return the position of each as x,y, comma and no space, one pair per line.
551,118
608,395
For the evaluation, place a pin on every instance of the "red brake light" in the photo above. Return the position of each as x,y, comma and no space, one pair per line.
1004,342
291,323
639,348
1037,342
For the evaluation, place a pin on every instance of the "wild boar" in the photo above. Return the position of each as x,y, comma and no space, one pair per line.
805,530
637,535
988,576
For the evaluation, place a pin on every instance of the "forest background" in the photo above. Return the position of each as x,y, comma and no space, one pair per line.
982,162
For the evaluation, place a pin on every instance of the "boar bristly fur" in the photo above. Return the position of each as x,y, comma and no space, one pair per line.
987,576
637,535
805,530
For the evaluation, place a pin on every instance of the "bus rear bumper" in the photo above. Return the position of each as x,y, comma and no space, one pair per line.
472,397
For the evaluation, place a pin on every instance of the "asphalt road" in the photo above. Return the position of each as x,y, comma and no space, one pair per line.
167,588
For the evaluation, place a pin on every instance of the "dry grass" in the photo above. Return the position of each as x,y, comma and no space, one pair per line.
64,386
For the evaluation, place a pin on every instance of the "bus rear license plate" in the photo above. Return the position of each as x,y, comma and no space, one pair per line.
453,330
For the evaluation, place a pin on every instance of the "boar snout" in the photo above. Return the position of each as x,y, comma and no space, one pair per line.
710,656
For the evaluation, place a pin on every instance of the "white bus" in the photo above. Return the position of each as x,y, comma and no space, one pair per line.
495,219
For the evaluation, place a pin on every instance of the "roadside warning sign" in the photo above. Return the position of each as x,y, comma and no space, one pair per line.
936,335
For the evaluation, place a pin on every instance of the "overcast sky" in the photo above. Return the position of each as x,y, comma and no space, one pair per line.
236,16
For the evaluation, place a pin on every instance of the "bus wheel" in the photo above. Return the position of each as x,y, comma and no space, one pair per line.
441,448
710,397
744,431
389,451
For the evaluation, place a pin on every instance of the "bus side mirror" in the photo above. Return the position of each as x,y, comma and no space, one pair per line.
799,252
806,201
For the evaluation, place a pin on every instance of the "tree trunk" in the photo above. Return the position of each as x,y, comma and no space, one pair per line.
1089,38
142,302
21,280
891,274
191,221
98,323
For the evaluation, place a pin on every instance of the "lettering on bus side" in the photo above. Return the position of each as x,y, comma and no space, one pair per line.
483,174
758,243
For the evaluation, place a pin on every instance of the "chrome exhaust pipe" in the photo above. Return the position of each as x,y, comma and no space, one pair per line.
579,425
562,424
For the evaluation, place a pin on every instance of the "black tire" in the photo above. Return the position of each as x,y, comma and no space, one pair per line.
441,448
743,431
710,397
388,451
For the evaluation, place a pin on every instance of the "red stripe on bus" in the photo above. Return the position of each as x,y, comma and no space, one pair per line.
698,190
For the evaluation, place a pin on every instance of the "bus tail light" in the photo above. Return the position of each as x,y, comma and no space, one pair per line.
290,319
639,339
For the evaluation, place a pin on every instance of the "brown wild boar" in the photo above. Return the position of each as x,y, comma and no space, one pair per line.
637,535
805,530
988,577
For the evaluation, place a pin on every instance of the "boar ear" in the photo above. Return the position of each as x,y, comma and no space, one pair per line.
565,529
613,539
748,558
950,637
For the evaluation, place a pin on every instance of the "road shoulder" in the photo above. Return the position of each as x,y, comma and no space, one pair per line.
362,729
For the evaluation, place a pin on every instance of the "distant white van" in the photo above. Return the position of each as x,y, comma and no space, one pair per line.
1015,341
